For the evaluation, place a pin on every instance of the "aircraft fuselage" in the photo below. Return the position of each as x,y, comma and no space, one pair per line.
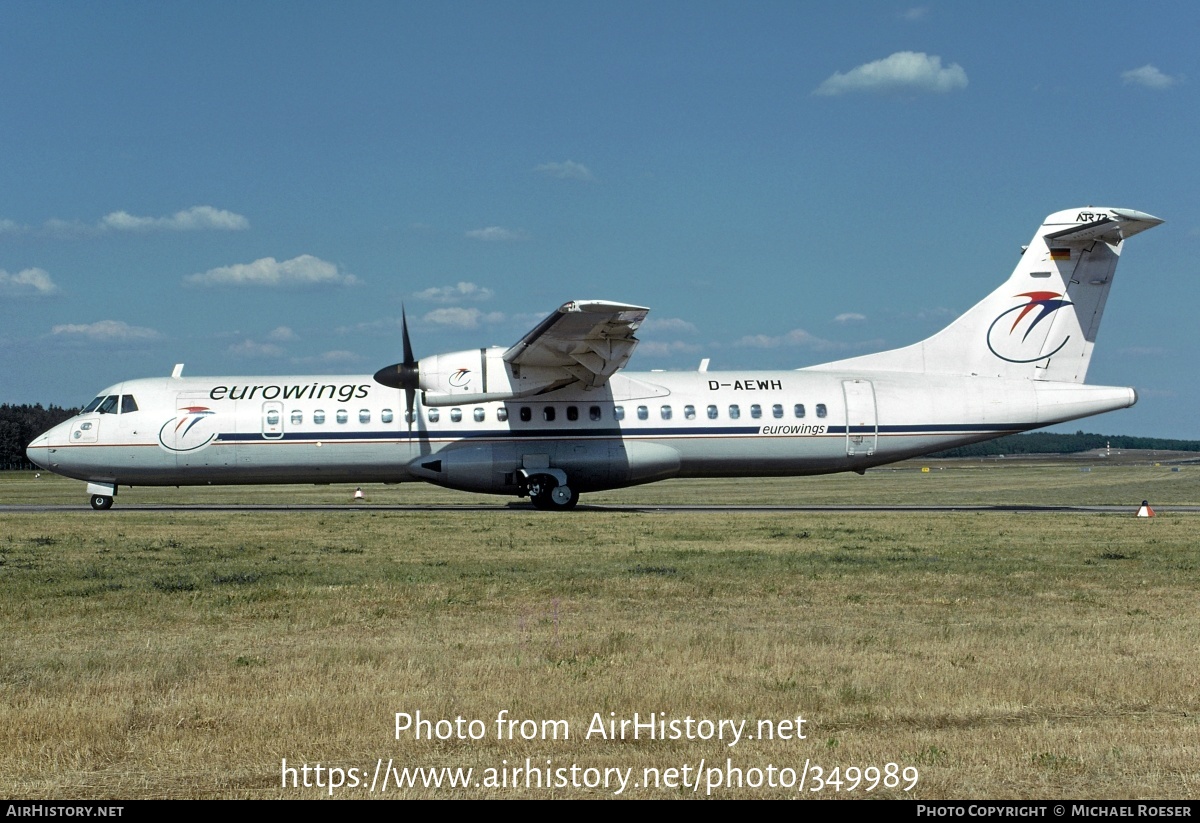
638,428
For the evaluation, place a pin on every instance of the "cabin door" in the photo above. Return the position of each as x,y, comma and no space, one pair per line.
862,423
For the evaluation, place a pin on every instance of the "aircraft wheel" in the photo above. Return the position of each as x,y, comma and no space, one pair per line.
101,503
564,497
544,493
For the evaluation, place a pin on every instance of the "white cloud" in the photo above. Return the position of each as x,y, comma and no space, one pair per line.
67,229
455,293
1148,76
667,324
850,317
904,71
495,234
329,358
27,283
568,170
915,13
304,270
796,337
460,318
282,334
655,348
197,218
252,350
107,331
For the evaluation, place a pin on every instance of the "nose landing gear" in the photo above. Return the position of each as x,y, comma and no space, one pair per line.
101,495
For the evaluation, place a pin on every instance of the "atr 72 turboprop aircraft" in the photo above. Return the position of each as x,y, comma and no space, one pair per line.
554,416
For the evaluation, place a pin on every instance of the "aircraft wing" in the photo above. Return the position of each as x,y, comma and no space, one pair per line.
588,339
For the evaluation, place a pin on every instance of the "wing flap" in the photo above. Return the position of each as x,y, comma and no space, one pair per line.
590,340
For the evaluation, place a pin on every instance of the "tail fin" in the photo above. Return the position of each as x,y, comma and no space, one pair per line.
1042,323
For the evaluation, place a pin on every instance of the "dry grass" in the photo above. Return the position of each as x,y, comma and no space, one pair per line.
1126,479
169,654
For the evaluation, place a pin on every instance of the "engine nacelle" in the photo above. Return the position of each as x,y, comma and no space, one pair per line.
480,376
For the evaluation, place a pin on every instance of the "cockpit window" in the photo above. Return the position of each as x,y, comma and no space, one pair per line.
128,404
109,406
91,407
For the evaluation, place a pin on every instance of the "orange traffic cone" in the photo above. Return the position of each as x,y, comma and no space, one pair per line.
1145,510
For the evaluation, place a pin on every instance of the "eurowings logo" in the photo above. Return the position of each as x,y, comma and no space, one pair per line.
176,434
460,378
1015,342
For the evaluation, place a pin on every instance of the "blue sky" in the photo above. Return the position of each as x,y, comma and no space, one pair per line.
256,188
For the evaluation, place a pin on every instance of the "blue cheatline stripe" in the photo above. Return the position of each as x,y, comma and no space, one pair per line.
608,433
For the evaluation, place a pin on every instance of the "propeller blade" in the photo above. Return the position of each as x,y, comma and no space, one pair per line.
410,372
404,375
408,354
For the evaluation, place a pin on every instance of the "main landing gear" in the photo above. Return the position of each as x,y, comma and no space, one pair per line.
547,492
101,503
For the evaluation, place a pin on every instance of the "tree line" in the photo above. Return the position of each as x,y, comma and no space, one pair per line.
1055,443
19,425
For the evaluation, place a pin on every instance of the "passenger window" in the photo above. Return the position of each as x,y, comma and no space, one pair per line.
799,409
386,416
297,417
272,417
456,415
756,411
643,413
594,413
689,412
434,415
343,416
526,414
128,404
734,412
319,417
502,414
478,415
665,411
109,406
712,412
364,415
572,413
618,412
777,411
548,413
820,410
410,416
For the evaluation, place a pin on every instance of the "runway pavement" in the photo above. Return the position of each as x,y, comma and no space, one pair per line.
649,509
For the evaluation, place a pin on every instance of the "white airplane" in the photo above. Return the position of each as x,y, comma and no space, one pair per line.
554,415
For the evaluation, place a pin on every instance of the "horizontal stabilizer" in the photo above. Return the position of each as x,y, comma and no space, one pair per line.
1112,228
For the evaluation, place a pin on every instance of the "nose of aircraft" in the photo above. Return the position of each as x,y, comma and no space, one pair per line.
36,451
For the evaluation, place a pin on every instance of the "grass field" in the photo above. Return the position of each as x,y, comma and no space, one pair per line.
998,655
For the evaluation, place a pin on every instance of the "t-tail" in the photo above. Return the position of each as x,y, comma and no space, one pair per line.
1042,323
